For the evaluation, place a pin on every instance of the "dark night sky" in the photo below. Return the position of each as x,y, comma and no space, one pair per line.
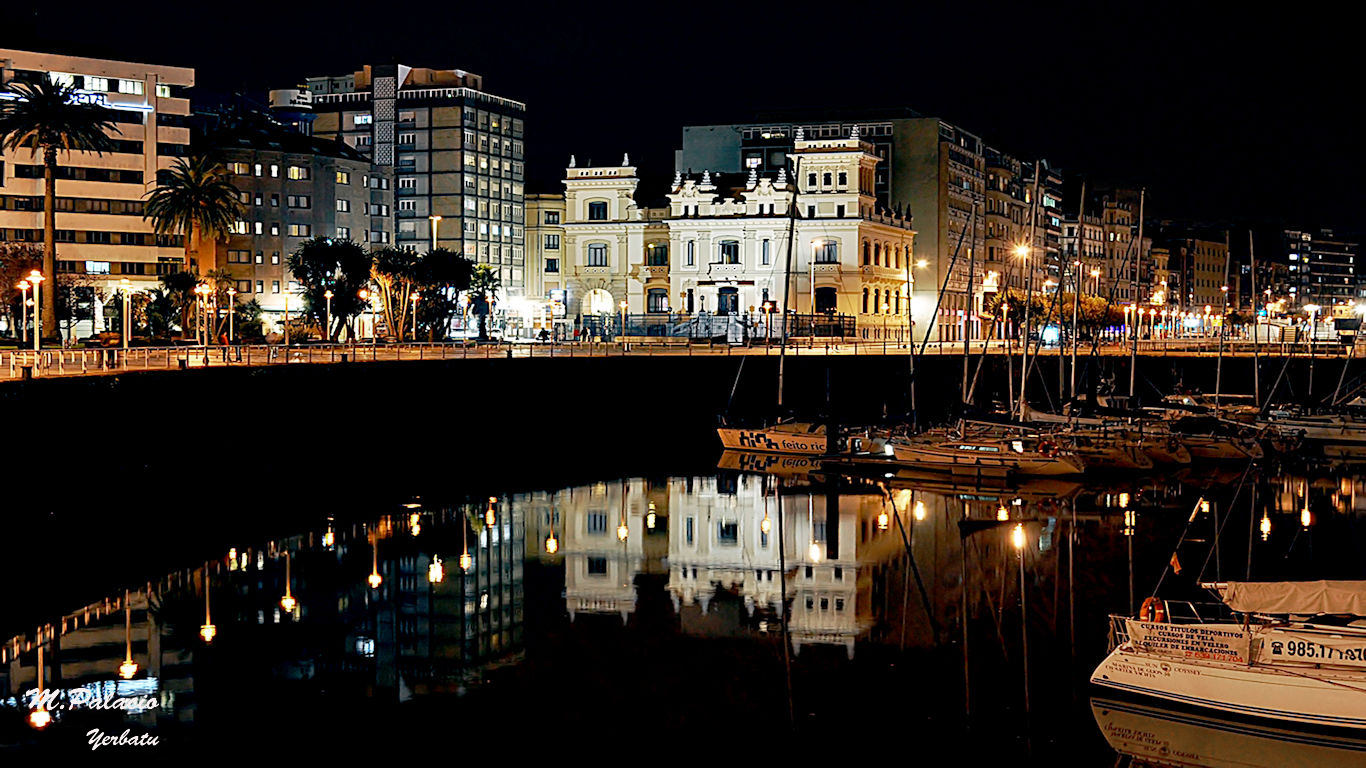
1230,112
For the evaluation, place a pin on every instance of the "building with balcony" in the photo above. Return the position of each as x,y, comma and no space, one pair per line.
294,187
457,154
1321,267
101,235
929,169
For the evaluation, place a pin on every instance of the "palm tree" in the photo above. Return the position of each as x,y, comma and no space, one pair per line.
194,198
44,117
483,290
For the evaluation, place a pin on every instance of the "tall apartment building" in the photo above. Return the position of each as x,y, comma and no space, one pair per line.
457,153
938,173
1199,266
1322,267
100,230
544,253
295,187
1114,264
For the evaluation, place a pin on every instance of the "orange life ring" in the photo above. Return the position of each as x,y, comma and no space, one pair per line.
1153,610
1048,448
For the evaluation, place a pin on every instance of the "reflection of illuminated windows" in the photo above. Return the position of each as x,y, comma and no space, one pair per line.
839,604
810,601
597,566
690,530
763,540
597,522
825,603
728,532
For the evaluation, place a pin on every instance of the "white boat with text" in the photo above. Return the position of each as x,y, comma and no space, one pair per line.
1289,651
801,438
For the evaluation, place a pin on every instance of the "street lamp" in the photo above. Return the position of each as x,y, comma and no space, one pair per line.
623,317
232,307
35,278
365,297
414,297
436,223
124,287
23,287
207,630
327,330
885,308
768,311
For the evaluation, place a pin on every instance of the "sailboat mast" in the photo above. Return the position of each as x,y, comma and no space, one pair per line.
787,277
1256,346
1138,264
1076,282
972,304
1029,294
1223,323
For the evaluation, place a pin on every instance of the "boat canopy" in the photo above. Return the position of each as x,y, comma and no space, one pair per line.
1295,597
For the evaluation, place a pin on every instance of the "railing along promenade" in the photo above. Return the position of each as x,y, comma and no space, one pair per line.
18,364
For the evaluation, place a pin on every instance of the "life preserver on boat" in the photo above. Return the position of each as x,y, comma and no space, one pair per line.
1048,448
1153,610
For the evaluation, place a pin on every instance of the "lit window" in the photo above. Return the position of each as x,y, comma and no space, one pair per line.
298,173
96,83
597,254
343,177
364,119
131,86
163,91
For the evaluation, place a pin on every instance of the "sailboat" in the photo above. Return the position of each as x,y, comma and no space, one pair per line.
1293,651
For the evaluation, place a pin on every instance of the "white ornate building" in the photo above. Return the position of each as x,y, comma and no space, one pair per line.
721,246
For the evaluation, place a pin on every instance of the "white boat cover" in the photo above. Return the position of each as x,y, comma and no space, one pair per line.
1299,597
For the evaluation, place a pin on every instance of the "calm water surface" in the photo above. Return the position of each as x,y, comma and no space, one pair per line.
636,608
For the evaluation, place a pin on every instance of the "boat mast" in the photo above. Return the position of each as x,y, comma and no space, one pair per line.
1076,283
972,303
1223,323
1256,346
787,279
1029,294
1138,265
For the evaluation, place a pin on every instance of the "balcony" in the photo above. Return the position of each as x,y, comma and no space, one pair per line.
654,273
721,271
827,268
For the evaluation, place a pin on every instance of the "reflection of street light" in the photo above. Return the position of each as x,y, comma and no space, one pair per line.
919,512
436,224
1002,513
288,602
436,573
1266,526
207,630
375,579
40,718
491,517
129,667
327,330
23,287
232,309
650,517
1017,536
883,519
124,287
552,544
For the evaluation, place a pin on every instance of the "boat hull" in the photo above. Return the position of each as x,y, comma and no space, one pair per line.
1306,695
933,457
772,441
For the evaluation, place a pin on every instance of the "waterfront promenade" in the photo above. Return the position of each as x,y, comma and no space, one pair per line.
56,362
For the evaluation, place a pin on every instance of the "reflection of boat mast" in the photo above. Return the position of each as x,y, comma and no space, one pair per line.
787,286
782,601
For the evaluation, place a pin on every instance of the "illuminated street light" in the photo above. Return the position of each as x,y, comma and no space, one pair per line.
491,517
552,544
1266,526
882,519
375,579
35,278
919,511
327,329
1002,513
650,519
129,667
1017,536
814,552
436,573
207,630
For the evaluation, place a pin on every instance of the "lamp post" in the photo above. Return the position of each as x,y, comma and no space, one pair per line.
622,331
23,309
35,278
436,224
286,321
768,325
129,667
207,630
327,330
364,295
232,310
124,287
288,602
414,297
1023,252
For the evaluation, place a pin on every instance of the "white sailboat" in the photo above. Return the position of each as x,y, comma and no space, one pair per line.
1269,664
801,438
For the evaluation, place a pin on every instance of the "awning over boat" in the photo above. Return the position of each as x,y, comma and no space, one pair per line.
1300,597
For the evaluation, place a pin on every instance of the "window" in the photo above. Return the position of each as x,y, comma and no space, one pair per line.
274,201
407,205
727,532
689,529
825,251
239,228
244,286
728,251
408,139
657,300
364,120
597,254
597,522
100,84
826,179
343,177
239,257
765,258
298,173
260,257
344,233
257,227
274,171
343,206
274,286
275,257
597,211
844,179
657,255
597,566
257,169
241,169
131,86
692,253
275,228
407,182
552,265
380,209
260,286
299,201
552,242
552,217
298,230
810,180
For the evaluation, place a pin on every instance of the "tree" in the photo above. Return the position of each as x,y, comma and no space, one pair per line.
395,275
341,266
484,286
441,275
46,118
196,199
17,260
161,311
178,289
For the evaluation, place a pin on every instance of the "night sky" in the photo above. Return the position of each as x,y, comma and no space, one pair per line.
1223,112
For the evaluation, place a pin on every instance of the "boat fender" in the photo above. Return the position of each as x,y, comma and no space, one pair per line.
1048,448
1153,610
